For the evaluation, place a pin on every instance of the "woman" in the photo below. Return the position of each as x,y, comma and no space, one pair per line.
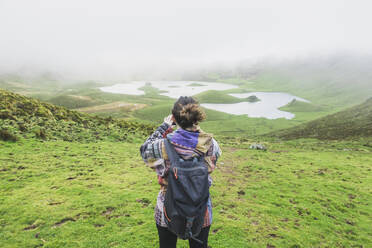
189,141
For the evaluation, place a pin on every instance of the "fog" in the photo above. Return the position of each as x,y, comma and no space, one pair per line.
117,39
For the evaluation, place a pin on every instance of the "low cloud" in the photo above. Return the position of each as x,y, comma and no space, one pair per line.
115,39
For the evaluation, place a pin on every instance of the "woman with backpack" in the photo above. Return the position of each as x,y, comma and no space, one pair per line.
178,157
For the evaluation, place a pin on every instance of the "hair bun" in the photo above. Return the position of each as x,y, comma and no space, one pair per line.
192,113
187,112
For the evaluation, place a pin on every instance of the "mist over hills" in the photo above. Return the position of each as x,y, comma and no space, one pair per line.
331,83
338,66
328,76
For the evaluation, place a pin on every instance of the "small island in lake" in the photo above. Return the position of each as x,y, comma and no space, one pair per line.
195,84
252,98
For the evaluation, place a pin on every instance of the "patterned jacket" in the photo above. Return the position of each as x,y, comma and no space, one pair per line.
187,143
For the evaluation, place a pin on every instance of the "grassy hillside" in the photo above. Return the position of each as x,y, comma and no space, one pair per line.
331,85
157,113
215,96
74,101
76,180
353,122
32,85
296,106
336,81
88,94
154,113
24,117
297,194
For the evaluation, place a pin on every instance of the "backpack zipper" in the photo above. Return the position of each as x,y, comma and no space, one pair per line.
189,169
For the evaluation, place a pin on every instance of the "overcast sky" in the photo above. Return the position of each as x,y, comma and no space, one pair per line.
101,38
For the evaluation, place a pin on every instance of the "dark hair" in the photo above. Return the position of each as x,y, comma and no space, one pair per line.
187,112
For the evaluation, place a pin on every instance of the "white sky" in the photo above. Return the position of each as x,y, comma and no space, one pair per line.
107,37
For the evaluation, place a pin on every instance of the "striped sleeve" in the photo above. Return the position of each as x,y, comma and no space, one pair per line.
212,155
152,150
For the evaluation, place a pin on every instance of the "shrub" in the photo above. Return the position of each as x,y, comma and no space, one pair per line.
40,133
6,114
22,127
41,111
6,135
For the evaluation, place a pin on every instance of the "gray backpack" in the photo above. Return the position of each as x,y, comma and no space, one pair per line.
187,194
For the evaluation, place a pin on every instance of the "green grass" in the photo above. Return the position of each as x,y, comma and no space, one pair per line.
241,126
24,117
73,101
298,106
215,96
320,91
349,123
151,91
297,194
326,98
155,113
218,122
95,191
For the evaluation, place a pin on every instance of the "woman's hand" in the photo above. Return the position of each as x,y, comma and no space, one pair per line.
169,120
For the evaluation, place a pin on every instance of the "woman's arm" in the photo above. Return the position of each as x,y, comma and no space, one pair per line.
152,150
212,155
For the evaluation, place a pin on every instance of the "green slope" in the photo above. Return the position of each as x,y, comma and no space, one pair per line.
56,193
298,106
353,122
215,96
74,101
24,117
297,194
339,81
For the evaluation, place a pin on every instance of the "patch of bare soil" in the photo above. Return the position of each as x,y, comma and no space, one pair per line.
54,203
30,227
86,98
144,201
108,211
278,151
63,221
114,106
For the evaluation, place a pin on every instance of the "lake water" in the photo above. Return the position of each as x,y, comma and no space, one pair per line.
267,107
129,88
172,89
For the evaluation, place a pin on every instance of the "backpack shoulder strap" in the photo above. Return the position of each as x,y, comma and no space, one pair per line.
171,152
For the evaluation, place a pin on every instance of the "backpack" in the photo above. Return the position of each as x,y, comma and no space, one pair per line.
187,194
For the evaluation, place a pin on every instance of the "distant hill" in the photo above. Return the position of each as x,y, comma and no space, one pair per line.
299,106
21,116
336,81
333,81
28,85
74,101
215,96
353,122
